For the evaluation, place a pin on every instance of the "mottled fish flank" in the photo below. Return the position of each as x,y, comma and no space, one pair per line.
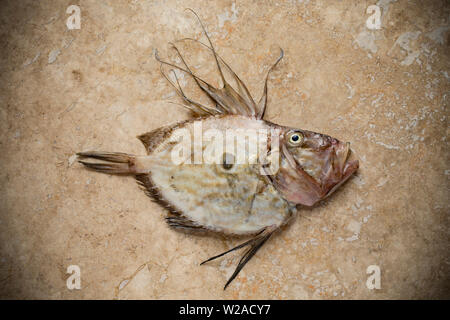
228,196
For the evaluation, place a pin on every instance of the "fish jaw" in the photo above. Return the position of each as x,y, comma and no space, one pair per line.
349,169
297,188
340,168
299,185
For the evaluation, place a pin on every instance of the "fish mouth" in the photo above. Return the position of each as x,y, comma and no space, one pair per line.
304,185
344,168
345,165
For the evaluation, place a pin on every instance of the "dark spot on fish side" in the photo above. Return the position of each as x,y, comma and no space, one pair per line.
227,166
228,161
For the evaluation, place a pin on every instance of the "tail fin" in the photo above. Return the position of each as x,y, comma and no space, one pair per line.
113,162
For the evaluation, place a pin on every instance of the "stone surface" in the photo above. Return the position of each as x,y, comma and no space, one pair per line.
63,91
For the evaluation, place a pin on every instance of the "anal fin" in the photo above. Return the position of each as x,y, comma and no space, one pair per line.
255,243
180,222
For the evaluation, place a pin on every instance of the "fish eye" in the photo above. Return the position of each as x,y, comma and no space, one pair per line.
295,138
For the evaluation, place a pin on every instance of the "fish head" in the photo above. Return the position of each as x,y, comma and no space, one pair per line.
312,166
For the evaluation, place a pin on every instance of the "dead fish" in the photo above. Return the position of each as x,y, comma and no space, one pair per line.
254,197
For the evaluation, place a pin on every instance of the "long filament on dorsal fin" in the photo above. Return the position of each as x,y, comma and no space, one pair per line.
244,92
228,90
227,97
262,104
204,108
180,68
222,109
205,86
210,43
193,105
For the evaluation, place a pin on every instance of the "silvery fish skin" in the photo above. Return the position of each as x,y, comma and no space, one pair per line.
225,195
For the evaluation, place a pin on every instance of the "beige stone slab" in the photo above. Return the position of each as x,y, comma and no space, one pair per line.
62,91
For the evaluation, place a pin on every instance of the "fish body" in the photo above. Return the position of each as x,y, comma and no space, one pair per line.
229,198
228,170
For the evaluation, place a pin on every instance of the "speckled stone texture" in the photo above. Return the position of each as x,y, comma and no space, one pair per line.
62,91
